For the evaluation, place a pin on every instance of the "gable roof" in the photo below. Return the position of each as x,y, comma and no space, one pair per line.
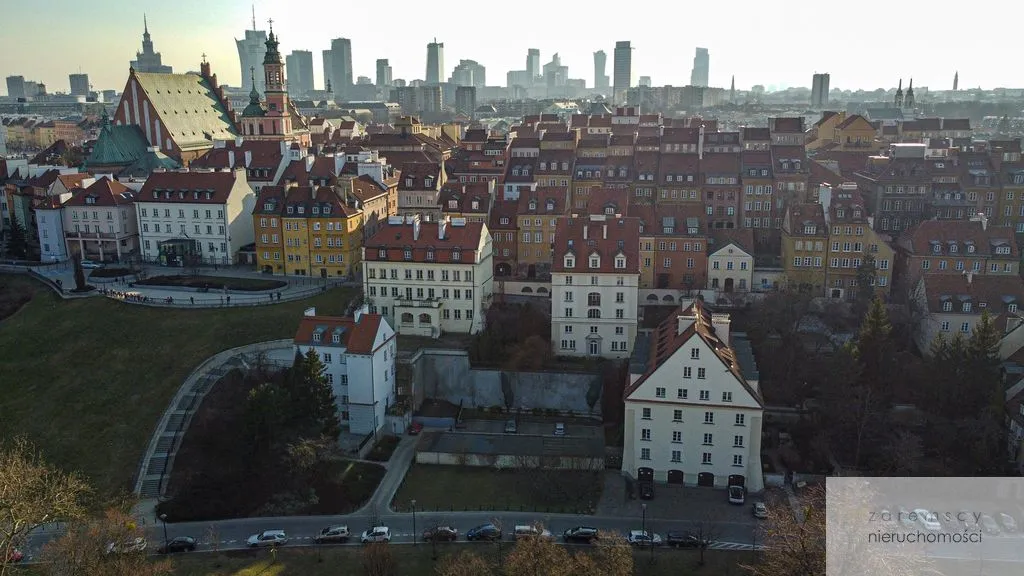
357,337
179,186
605,236
103,192
743,238
117,145
921,239
192,114
984,292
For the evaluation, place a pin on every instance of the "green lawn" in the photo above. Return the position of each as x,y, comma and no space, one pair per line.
454,488
417,561
213,282
87,380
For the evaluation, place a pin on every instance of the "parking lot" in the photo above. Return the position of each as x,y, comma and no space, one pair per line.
527,428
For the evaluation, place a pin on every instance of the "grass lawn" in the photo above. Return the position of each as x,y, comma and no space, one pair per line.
15,291
87,380
439,488
112,272
213,282
385,447
417,561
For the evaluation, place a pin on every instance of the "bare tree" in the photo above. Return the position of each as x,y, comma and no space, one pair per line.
534,556
33,493
378,560
613,556
111,545
465,563
213,537
706,529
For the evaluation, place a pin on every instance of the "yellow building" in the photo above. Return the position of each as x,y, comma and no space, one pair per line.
842,132
804,250
538,215
851,243
266,223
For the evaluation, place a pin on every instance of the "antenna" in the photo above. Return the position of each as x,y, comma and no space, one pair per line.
253,16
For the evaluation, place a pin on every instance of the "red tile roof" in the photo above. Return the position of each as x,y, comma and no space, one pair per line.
850,121
545,200
329,199
677,165
188,187
602,200
396,235
675,220
921,239
265,155
993,293
472,198
366,188
608,237
742,237
749,134
720,163
357,337
800,215
103,192
504,209
415,175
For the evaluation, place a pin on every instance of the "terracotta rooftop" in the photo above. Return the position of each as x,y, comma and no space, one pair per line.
428,242
357,337
103,192
608,238
992,293
966,237
188,187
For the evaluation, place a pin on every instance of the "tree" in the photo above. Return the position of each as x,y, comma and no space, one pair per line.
874,348
312,399
538,556
706,530
80,284
378,560
33,493
851,411
90,548
613,556
794,546
866,274
17,240
264,416
465,563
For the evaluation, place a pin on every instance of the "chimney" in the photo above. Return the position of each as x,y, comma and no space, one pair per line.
218,144
585,226
231,158
442,225
416,229
685,321
604,231
248,158
970,278
364,309
311,311
980,217
309,162
700,142
721,322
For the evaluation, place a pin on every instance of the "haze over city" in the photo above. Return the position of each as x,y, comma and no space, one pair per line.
757,44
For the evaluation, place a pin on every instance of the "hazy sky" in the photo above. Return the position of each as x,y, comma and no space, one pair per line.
781,44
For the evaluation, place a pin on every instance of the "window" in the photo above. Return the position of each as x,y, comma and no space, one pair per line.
659,392
645,434
726,396
947,306
682,393
705,458
737,441
677,415
737,460
965,327
708,440
646,414
677,455
701,373
705,395
695,353
741,419
687,372
709,417
645,453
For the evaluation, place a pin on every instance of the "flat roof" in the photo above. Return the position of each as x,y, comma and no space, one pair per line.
512,444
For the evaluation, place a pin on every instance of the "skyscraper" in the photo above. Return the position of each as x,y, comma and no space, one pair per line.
554,73
383,72
645,81
435,63
600,61
299,72
251,51
328,57
533,63
148,60
341,66
465,100
701,63
819,90
622,69
79,84
469,73
16,86
956,80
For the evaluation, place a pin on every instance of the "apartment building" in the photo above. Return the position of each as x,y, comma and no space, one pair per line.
693,407
955,247
673,247
187,216
804,248
538,214
851,243
469,201
955,303
429,278
595,285
731,261
99,223
504,229
419,188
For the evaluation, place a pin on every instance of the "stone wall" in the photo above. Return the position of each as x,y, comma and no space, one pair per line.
447,375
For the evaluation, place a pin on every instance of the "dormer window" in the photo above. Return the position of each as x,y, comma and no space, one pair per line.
620,262
856,213
533,205
302,209
291,209
595,262
952,248
316,210
456,255
336,338
407,254
549,205
408,182
327,210
1012,308
382,253
570,262
810,229
430,254
937,249
504,221
970,249
947,306
316,337
428,181
209,195
543,165
268,206
476,204
967,306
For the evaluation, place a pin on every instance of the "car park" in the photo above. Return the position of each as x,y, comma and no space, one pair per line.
440,534
268,538
760,510
683,539
332,535
376,534
580,535
178,544
527,531
643,538
488,532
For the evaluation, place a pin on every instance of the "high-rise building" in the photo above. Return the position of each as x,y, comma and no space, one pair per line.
533,64
622,69
252,49
341,66
149,61
469,73
16,86
328,57
645,81
79,84
435,63
956,80
299,72
701,63
554,73
600,62
819,90
270,119
465,100
383,72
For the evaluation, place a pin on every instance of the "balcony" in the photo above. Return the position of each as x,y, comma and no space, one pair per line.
418,302
95,235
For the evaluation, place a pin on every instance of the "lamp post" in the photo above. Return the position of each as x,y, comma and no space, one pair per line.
415,539
163,517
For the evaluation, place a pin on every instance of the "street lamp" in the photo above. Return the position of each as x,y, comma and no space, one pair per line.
415,540
163,517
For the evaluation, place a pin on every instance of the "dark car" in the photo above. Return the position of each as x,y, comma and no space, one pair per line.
580,534
678,539
484,532
441,534
646,490
178,544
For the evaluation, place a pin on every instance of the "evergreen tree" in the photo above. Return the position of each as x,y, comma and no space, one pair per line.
866,273
79,275
17,241
317,396
874,348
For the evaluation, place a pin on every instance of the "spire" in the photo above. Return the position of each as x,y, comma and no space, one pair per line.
145,25
253,16
272,56
254,94
105,119
956,80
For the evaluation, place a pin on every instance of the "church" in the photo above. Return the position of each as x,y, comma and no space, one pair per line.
276,117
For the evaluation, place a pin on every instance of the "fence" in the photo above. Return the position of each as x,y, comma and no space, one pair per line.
234,300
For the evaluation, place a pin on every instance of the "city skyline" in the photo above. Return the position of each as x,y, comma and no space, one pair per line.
192,28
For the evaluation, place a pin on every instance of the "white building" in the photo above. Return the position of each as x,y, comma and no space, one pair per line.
731,261
358,353
50,215
100,224
693,407
955,304
195,213
595,280
428,278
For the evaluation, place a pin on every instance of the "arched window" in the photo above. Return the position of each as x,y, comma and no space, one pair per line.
406,318
593,299
424,318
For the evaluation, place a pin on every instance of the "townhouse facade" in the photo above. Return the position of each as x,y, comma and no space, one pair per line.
954,304
731,261
804,248
956,247
851,244
419,188
99,223
505,236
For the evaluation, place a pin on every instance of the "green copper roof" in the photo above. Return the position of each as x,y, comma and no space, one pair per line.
189,108
150,161
117,146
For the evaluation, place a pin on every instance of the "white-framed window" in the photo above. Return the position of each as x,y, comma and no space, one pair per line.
646,414
677,436
659,392
645,434
645,453
737,441
737,460
677,415
705,458
709,417
741,419
709,439
705,395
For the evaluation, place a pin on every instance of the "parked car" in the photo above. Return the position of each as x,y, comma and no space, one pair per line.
737,494
760,510
137,544
560,429
928,520
415,428
441,534
1008,523
484,532
91,265
646,490
968,522
988,524
332,534
906,518
643,538
178,544
268,538
376,534
15,556
680,539
511,427
580,534
527,531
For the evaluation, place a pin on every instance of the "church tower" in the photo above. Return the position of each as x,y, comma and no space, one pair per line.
909,101
270,119
899,95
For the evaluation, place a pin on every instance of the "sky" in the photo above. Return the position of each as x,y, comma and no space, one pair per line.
773,44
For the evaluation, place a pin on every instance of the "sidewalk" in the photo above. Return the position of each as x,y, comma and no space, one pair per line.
401,460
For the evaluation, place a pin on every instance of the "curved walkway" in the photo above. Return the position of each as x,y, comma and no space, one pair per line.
155,468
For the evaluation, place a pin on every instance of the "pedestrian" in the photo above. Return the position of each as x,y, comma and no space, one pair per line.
221,300
229,300
271,296
192,300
